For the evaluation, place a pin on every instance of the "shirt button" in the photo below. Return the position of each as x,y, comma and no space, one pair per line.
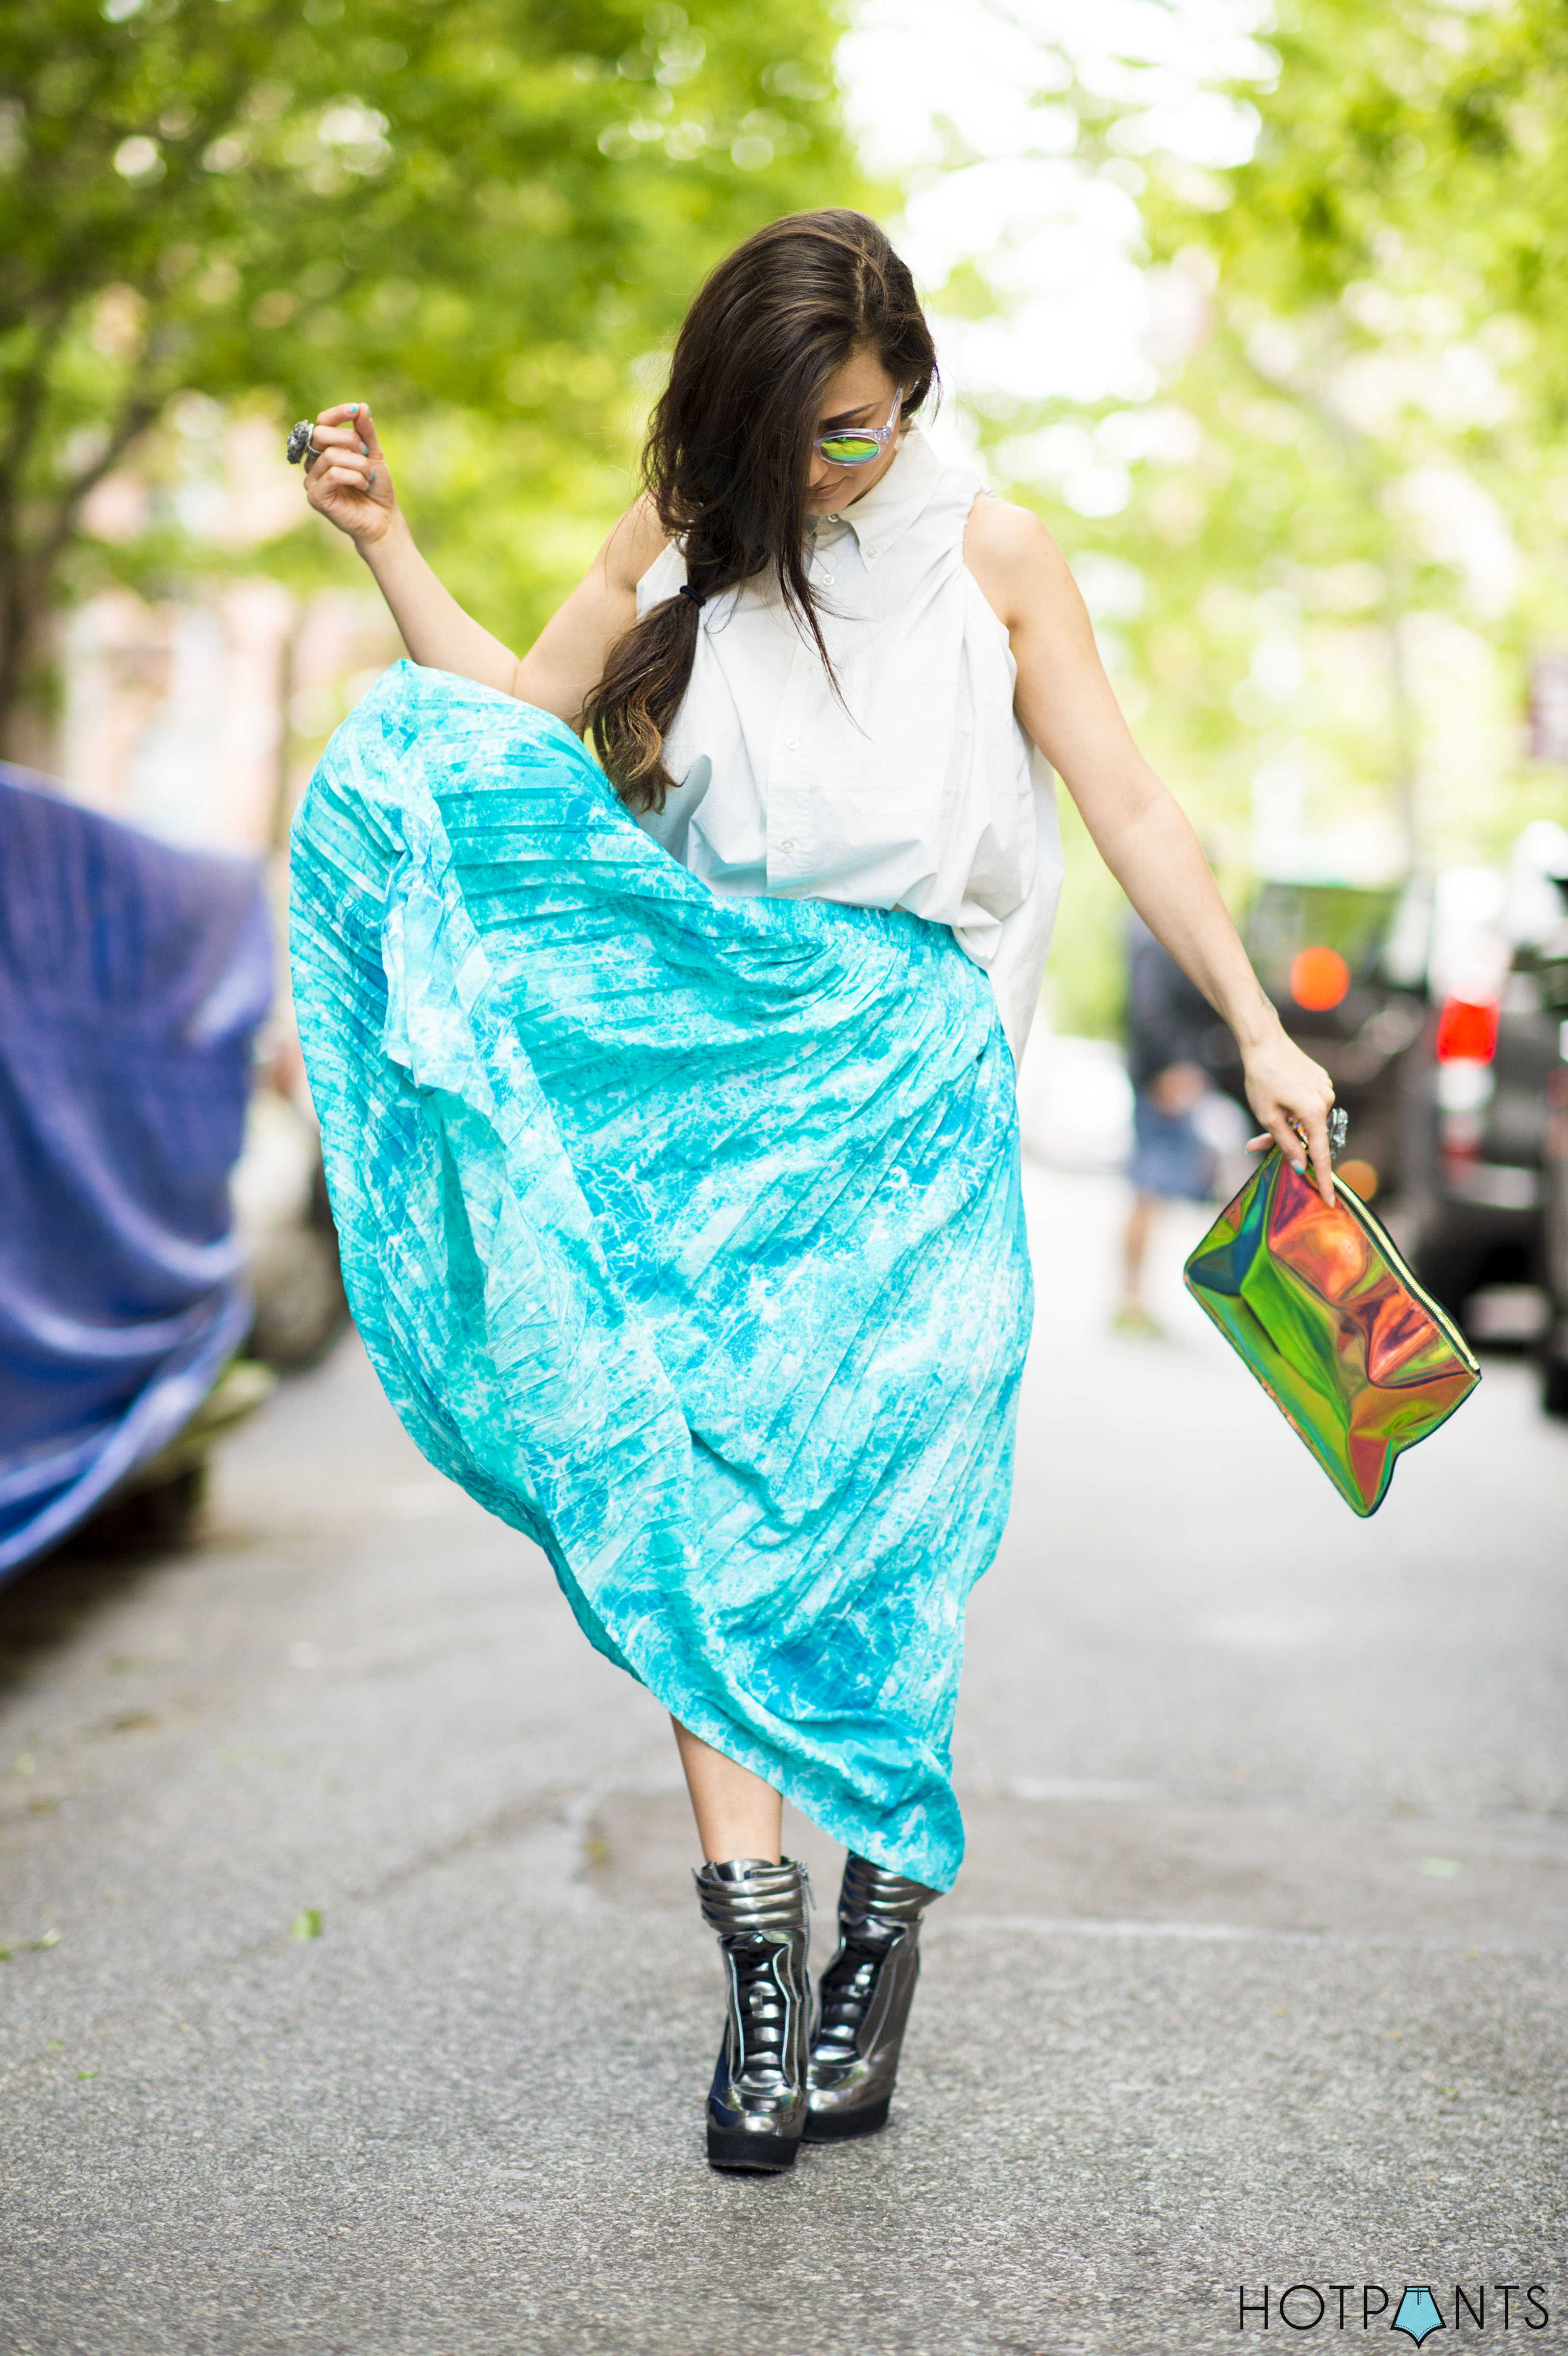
825,579
789,842
792,744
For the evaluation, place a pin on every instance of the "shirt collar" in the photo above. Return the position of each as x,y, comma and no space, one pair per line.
881,515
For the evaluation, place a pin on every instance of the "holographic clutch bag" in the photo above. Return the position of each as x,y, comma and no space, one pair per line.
1318,1303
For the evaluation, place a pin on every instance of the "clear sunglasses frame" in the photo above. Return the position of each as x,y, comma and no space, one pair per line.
879,436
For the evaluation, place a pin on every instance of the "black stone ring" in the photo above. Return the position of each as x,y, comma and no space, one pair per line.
299,444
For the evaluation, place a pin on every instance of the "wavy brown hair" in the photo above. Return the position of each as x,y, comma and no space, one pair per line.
727,460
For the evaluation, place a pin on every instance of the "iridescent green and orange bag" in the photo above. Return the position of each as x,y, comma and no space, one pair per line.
1315,1299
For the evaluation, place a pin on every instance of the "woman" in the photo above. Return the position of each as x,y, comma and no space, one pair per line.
671,1128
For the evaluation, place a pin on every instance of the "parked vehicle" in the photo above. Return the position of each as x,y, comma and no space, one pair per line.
1554,1188
1346,968
1476,1109
132,978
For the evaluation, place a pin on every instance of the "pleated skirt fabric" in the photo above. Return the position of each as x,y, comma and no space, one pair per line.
684,1232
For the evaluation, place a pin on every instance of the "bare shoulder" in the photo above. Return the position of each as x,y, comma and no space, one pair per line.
633,544
1006,539
1015,559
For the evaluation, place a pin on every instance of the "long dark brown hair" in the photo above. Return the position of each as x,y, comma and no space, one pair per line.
727,459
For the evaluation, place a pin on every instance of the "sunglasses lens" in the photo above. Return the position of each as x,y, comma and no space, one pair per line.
849,449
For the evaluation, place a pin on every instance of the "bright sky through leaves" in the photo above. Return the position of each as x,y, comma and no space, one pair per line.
972,111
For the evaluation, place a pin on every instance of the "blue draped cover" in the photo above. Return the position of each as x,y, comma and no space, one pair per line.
132,978
685,1232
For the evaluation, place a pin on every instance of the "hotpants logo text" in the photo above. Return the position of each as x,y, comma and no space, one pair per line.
1357,2307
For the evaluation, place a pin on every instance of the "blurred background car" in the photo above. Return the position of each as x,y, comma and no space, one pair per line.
1346,968
162,1220
1439,1008
1475,1111
1554,1245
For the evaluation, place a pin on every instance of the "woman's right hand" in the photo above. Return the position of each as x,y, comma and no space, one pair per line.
346,478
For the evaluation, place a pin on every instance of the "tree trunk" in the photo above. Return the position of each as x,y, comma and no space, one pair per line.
29,573
18,648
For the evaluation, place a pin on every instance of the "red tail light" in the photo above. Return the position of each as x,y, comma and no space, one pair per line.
1467,1033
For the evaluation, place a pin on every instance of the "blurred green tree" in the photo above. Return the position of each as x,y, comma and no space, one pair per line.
481,212
1350,519
1411,136
1340,517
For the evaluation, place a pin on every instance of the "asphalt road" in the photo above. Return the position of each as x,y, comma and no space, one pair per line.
1254,1975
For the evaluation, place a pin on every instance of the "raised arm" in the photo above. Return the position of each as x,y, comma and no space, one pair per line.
350,484
1065,700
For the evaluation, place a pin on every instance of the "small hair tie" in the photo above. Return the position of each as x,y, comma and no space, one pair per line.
685,590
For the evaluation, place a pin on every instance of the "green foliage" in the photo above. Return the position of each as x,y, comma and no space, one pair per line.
1409,138
477,212
1349,499
1377,404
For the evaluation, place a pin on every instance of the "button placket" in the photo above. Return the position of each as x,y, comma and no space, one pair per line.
789,829
824,543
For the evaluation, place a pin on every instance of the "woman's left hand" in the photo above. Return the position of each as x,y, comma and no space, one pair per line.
1290,1094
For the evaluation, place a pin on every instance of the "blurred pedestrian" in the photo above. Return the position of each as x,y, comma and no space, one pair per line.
671,1128
1170,1026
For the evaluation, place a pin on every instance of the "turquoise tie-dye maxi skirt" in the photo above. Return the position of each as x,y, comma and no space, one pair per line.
684,1232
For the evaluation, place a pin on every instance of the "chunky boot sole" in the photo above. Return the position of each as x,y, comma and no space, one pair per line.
839,2126
757,2155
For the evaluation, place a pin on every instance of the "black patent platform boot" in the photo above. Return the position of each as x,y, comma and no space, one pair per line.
756,2105
866,1991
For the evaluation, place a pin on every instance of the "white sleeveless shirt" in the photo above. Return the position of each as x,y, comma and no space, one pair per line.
920,790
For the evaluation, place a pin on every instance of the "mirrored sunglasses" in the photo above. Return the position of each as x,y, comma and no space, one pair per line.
857,445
